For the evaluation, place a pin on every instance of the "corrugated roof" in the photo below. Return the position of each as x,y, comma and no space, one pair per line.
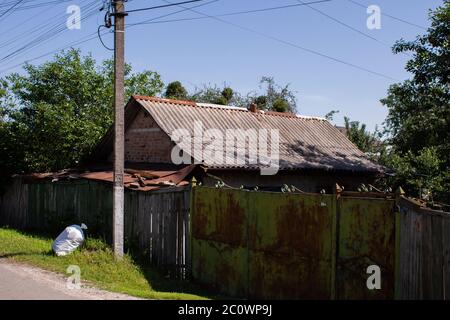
305,142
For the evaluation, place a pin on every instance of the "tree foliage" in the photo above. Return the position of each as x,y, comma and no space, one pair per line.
365,140
272,98
217,95
275,98
330,115
175,90
55,113
417,126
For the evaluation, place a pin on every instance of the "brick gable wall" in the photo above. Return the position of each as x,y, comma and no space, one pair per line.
146,142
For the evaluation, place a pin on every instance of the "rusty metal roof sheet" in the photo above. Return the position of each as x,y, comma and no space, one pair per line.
136,180
305,142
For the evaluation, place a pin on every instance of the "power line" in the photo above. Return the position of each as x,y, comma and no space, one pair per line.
94,35
163,6
11,8
100,38
7,4
49,34
237,26
22,22
53,32
38,5
343,23
232,13
75,43
291,44
59,18
172,13
390,16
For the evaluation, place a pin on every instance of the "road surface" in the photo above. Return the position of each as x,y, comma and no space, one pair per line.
22,282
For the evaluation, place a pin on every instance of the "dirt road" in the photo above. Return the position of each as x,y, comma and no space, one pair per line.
23,282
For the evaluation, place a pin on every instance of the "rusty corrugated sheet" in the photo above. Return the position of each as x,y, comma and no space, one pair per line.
305,142
155,179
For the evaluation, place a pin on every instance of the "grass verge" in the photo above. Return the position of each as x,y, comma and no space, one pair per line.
98,267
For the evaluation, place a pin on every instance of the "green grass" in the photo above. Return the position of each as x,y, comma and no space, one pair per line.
98,267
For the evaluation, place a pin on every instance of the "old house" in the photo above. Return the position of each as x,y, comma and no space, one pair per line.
312,154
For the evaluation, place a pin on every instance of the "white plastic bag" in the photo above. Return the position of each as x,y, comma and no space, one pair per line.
68,240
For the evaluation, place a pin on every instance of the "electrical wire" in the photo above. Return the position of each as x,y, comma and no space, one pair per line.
10,9
341,22
39,5
100,38
233,13
171,13
288,43
163,6
390,16
94,35
179,4
55,20
7,4
23,22
47,35
349,27
75,43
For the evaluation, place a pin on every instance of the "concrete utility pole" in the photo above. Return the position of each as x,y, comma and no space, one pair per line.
119,61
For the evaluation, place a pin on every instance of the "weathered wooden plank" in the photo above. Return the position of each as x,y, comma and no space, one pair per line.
446,257
187,232
435,256
150,217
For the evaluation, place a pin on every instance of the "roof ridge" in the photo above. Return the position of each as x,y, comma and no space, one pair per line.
158,99
226,107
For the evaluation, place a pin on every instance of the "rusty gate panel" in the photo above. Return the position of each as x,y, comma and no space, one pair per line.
291,250
291,246
264,245
220,216
219,239
220,266
366,233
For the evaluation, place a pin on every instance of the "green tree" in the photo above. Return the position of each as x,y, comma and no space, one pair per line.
330,115
417,126
175,90
275,98
217,95
362,138
55,113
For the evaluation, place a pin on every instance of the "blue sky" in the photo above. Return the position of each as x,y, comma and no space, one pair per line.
205,51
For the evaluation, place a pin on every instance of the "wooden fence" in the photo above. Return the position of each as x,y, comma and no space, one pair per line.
254,243
156,223
423,270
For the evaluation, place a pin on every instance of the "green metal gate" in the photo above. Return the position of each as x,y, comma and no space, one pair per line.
291,246
366,237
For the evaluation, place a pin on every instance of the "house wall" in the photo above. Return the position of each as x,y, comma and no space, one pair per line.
146,142
305,181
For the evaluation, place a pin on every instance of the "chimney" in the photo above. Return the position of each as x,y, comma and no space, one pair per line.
253,107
